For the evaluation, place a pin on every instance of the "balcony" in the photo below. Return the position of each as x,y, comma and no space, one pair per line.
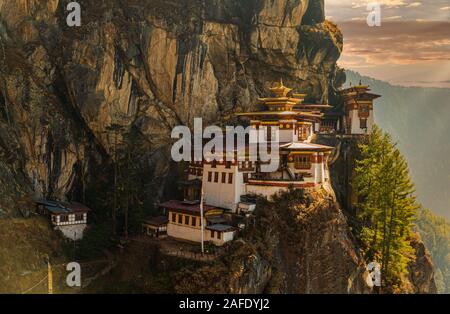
285,178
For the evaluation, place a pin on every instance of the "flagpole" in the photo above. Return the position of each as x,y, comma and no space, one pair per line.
202,224
50,277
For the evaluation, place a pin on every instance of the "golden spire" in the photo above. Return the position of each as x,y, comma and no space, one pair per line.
281,90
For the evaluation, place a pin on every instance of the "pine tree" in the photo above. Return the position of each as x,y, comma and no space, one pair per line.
386,206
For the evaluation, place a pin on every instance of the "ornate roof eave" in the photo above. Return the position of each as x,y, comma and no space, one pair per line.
306,147
280,113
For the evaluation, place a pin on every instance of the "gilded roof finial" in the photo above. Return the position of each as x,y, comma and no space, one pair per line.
281,91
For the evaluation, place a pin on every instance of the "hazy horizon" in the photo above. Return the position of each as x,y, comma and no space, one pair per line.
410,48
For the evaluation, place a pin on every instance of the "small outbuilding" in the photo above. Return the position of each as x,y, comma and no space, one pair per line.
68,217
219,234
155,227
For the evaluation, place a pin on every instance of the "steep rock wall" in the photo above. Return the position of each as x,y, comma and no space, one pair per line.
146,66
298,243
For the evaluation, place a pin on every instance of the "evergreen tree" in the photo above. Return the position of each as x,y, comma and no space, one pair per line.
386,206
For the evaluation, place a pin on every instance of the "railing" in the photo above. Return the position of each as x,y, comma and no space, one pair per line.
266,177
197,256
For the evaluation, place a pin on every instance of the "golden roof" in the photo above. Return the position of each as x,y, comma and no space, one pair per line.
282,105
295,113
281,90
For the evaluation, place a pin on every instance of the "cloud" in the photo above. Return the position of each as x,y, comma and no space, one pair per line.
410,48
414,5
345,10
387,3
396,17
397,42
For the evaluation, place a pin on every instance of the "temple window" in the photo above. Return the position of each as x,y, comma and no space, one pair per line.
180,219
186,220
302,162
224,177
230,178
194,221
79,217
363,123
174,217
216,177
209,176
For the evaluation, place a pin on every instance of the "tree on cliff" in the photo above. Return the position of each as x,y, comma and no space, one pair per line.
386,207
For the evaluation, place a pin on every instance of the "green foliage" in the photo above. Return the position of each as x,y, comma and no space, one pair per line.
386,206
96,239
418,119
435,232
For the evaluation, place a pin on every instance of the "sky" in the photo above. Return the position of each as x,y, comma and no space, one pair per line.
411,47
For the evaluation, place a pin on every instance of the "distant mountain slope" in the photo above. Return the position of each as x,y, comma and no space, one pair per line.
419,119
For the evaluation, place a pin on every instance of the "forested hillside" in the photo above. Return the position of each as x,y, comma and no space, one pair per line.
419,120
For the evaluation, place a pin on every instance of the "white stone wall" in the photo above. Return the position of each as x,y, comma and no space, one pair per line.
226,237
73,232
184,232
355,127
223,195
195,235
319,170
287,135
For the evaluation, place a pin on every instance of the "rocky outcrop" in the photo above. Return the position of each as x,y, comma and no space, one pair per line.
421,271
298,243
146,66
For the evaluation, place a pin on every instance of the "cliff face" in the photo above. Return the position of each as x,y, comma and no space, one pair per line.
67,95
146,66
298,243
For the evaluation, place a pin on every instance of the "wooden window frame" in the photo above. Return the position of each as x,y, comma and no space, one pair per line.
230,178
302,162
174,217
363,123
79,217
